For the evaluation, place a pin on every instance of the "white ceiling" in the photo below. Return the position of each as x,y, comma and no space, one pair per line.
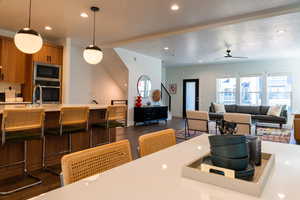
120,21
257,40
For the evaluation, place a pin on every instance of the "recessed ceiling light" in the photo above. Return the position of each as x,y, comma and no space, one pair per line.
200,61
84,15
166,48
280,31
174,7
48,28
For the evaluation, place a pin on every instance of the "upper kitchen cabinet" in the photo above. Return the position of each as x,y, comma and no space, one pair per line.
49,54
12,62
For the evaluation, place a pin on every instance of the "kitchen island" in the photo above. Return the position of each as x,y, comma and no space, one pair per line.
13,152
159,176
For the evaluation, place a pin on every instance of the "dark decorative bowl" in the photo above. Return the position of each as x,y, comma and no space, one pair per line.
231,151
246,174
234,164
223,140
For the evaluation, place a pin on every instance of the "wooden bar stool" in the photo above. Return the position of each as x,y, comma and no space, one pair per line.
21,125
72,120
116,116
82,164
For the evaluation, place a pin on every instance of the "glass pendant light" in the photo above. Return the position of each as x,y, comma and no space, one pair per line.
93,54
28,40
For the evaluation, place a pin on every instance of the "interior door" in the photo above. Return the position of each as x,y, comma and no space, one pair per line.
190,95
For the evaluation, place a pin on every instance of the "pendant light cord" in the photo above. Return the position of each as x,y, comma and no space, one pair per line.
94,28
29,20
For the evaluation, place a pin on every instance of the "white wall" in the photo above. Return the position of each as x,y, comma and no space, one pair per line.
84,82
207,75
138,65
104,88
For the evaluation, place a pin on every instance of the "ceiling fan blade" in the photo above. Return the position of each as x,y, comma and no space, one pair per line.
239,57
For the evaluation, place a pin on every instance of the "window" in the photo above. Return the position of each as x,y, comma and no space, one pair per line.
226,90
279,90
250,90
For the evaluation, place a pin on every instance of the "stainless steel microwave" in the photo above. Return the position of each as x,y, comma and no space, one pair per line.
46,72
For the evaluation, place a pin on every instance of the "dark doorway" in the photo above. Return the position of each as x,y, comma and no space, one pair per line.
190,95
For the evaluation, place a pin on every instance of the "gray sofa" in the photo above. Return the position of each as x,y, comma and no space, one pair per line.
258,113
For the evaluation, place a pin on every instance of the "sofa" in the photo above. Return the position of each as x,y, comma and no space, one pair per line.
258,113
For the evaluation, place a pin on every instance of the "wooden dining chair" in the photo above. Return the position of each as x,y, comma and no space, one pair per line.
156,141
82,164
243,122
22,125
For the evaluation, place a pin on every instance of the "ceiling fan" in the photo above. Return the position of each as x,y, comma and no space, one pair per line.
229,55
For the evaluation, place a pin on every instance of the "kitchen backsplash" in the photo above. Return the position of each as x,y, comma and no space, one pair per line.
15,86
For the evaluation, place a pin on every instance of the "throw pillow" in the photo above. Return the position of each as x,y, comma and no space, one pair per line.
219,108
274,111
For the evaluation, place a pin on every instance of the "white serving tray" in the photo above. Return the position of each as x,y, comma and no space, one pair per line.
255,187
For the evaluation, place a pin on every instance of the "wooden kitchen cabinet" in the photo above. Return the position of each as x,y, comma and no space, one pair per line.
49,54
12,62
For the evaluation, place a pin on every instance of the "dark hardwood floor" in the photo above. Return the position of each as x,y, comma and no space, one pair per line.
51,182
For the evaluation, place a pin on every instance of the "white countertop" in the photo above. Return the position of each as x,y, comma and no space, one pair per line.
14,102
54,107
158,176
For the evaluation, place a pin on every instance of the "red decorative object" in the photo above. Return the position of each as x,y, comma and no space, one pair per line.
138,101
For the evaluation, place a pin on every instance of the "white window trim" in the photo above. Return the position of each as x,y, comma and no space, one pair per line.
261,76
290,75
217,87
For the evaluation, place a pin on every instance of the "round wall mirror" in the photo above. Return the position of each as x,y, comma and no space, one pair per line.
144,86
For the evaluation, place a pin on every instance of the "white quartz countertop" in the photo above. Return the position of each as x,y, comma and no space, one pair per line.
53,107
158,176
14,102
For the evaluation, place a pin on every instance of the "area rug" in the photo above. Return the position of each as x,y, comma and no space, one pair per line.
180,134
266,134
274,135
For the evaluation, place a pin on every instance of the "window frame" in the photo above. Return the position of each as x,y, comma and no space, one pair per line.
260,92
222,92
289,75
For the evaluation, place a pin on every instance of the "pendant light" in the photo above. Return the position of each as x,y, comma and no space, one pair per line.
28,40
93,54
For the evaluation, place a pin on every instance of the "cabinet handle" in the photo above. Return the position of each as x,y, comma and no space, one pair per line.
50,58
2,76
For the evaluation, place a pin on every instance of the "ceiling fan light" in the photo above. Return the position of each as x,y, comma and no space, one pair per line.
28,41
93,54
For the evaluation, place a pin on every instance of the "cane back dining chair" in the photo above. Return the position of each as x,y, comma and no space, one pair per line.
82,164
156,141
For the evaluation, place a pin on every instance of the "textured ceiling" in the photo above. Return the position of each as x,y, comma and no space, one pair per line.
123,19
257,40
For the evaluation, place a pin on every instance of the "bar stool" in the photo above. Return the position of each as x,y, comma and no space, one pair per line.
116,116
72,120
21,125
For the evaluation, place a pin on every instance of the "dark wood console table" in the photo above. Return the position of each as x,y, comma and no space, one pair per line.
150,113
